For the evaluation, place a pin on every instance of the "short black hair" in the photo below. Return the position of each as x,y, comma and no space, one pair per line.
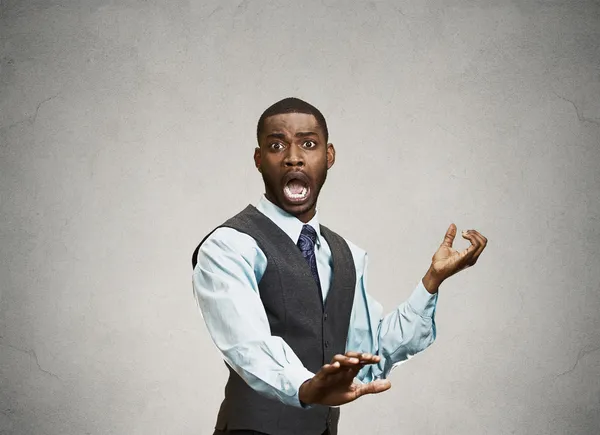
292,105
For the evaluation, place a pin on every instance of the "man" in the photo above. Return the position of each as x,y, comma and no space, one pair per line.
285,299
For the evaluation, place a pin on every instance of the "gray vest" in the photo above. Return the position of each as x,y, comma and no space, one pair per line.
294,307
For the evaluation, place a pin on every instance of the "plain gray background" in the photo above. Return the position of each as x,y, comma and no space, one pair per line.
127,132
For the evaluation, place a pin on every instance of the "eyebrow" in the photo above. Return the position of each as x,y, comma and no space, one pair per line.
306,133
276,135
299,134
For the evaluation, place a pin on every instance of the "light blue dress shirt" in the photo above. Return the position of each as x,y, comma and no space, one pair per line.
225,281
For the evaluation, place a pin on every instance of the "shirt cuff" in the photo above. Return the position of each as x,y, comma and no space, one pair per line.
296,376
422,302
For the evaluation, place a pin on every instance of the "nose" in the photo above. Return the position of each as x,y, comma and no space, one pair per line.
294,157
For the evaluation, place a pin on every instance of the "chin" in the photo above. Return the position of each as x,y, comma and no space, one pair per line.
299,209
295,209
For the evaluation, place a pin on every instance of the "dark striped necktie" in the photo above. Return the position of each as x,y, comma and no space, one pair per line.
306,243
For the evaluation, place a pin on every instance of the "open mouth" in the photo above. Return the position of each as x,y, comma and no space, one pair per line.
296,189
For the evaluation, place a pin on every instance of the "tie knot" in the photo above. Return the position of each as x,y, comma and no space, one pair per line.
307,239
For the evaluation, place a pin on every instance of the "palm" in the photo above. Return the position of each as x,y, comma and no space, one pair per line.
446,259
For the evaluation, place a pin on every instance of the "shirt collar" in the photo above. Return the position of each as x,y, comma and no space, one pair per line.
288,223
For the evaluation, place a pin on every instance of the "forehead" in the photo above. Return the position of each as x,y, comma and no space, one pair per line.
291,123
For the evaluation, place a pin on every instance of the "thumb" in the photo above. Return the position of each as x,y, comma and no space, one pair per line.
374,387
449,237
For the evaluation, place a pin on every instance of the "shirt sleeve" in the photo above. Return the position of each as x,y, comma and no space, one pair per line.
397,336
225,283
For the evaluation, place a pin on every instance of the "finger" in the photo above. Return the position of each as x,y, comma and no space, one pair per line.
336,368
482,244
466,257
328,369
479,237
478,242
345,360
349,372
353,354
365,358
356,370
467,254
449,237
374,387
335,374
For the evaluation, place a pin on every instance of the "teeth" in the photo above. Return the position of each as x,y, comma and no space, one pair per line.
296,195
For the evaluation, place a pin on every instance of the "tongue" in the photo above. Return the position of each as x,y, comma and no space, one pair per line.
295,187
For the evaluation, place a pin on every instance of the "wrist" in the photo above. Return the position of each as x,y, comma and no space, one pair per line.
303,394
431,281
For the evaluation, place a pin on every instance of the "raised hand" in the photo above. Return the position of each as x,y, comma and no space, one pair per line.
448,261
334,384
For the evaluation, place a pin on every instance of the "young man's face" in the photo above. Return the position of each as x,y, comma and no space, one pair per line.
293,158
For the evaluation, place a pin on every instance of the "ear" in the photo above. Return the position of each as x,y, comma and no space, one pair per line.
257,158
330,155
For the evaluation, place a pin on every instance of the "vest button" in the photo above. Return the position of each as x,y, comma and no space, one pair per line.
325,316
326,343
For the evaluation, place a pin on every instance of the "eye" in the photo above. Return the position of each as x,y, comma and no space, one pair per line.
310,144
276,145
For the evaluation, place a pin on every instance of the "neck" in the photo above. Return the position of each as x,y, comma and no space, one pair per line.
306,217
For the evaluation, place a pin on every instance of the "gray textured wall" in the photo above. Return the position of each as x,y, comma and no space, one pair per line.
127,132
